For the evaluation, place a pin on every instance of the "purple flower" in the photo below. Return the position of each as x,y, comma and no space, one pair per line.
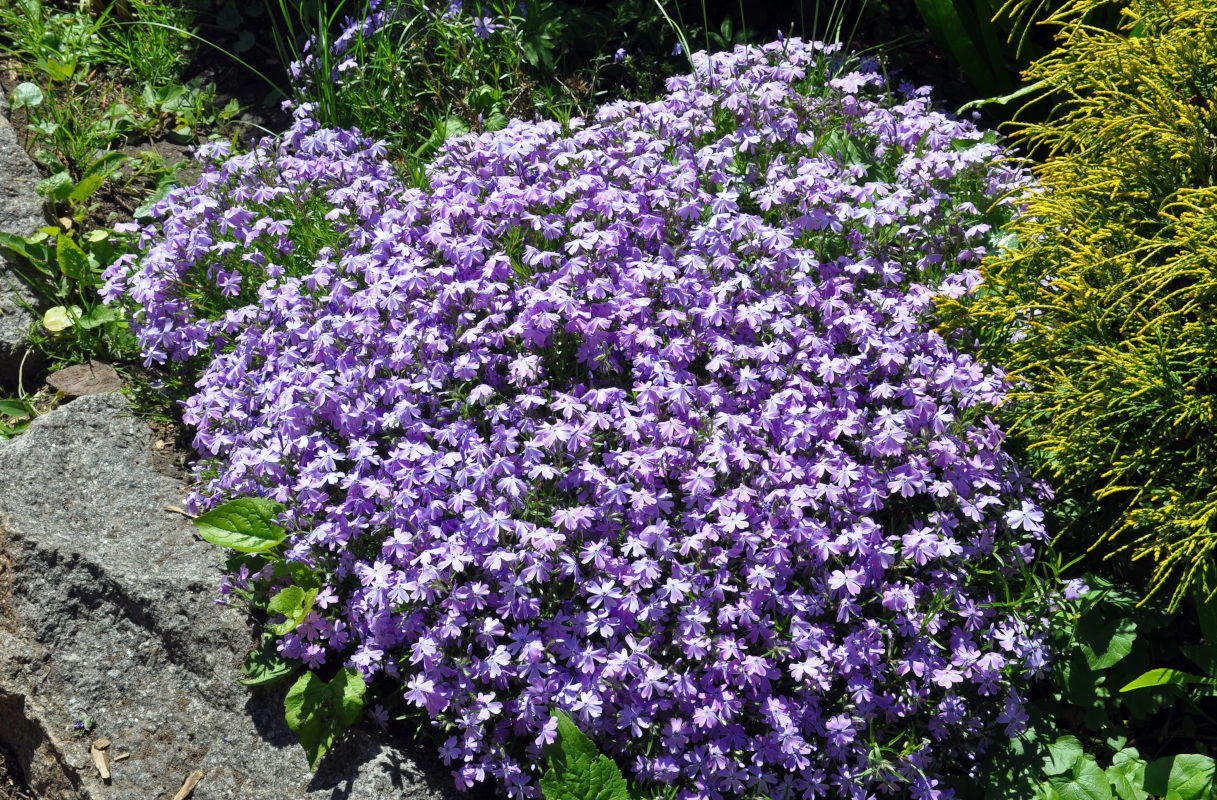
645,417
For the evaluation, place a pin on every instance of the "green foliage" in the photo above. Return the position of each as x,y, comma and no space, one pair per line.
246,525
577,770
15,415
264,666
93,83
319,712
1100,699
1105,308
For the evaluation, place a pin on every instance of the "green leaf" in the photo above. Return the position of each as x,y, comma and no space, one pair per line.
105,166
1206,611
26,95
98,315
571,742
85,189
1126,774
1105,641
319,712
73,262
246,524
293,603
1063,754
60,318
1203,656
577,770
1165,677
265,666
1183,777
1085,781
963,34
347,691
14,408
56,187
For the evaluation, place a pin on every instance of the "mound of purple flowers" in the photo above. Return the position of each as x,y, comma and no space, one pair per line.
643,419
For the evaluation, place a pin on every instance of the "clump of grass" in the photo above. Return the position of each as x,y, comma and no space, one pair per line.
415,74
99,89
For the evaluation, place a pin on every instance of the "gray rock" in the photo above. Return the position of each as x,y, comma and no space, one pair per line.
20,215
107,609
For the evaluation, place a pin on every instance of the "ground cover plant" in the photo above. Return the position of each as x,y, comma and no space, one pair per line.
640,418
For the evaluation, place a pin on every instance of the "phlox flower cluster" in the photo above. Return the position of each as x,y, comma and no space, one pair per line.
643,418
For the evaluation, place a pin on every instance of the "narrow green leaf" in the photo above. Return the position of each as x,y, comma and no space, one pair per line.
246,524
1165,677
945,19
105,165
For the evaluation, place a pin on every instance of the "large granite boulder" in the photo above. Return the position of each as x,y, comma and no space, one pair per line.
107,610
20,215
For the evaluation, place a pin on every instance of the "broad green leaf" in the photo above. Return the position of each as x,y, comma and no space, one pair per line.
1085,781
14,408
246,524
57,70
60,318
85,189
98,315
303,699
26,95
293,603
571,742
56,187
1165,677
577,770
73,262
1106,641
1203,656
1063,754
1126,774
30,251
265,666
1183,777
347,690
319,712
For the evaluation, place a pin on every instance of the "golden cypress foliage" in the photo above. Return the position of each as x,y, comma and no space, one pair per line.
1105,310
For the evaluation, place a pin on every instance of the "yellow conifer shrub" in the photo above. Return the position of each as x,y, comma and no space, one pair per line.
1105,306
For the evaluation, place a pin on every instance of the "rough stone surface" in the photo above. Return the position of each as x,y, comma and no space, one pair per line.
96,377
107,608
21,215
